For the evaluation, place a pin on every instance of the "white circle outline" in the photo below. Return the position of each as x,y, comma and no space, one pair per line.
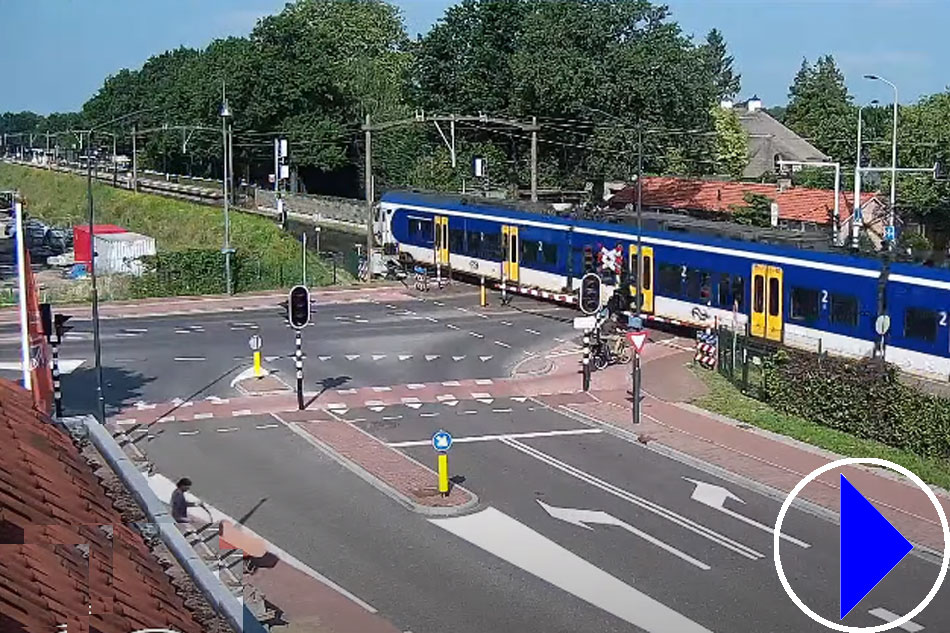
776,541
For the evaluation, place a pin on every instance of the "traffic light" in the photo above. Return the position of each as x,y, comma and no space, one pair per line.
590,293
46,319
59,322
588,259
299,307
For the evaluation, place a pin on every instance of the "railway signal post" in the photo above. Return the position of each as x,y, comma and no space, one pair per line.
590,304
298,308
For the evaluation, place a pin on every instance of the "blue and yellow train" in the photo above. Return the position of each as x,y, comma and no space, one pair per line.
799,298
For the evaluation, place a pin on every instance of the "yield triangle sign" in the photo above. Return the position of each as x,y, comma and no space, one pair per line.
870,547
637,340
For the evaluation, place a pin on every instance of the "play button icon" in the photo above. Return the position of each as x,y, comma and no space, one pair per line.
870,547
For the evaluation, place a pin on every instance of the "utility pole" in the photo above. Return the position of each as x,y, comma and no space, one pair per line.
368,184
115,163
231,163
225,114
100,397
21,289
135,160
534,159
46,157
639,220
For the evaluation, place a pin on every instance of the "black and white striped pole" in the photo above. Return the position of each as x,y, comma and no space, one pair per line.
586,360
298,361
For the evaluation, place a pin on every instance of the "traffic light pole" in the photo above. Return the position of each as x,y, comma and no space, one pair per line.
635,378
298,360
57,391
586,360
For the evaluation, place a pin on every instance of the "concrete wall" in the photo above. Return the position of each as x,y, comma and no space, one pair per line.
337,210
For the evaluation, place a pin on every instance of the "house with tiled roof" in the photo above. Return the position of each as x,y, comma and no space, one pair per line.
797,208
769,140
67,554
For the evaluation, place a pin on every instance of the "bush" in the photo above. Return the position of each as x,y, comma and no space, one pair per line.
860,397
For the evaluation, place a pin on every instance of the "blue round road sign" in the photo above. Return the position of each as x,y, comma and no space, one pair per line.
442,441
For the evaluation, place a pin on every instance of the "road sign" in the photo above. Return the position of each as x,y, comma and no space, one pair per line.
870,547
882,325
442,441
255,342
585,323
889,233
637,340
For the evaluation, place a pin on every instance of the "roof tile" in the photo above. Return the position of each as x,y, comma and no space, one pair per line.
682,194
66,556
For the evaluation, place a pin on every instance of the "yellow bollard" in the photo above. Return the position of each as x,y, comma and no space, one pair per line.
257,364
444,474
484,294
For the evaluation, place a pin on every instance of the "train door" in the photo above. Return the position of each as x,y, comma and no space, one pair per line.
646,275
766,316
441,246
510,252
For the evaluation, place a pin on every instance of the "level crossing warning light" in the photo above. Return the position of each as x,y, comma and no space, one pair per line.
590,293
299,307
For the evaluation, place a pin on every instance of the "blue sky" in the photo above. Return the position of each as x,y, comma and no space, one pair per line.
57,52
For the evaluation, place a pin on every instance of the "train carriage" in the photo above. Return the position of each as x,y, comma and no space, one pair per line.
804,299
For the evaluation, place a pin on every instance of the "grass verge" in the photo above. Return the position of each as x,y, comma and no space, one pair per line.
725,399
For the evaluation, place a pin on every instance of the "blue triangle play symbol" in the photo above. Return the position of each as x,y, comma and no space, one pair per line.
870,547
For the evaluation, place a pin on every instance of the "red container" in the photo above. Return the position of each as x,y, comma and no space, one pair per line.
81,241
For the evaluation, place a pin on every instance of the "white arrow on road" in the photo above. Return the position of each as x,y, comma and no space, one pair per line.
519,545
715,497
586,518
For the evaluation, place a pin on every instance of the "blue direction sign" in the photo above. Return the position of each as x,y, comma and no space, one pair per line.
442,441
870,547
889,233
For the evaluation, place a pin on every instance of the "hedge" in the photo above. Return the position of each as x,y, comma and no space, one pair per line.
860,397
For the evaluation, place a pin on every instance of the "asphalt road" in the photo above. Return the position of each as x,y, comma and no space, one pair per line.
348,345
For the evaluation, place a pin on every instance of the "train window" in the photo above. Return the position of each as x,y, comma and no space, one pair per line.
844,310
694,282
670,281
705,286
758,298
530,252
549,251
804,304
456,241
724,291
421,229
738,293
921,324
775,295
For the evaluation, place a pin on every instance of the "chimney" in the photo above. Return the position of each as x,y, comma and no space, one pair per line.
774,210
754,104
726,104
784,184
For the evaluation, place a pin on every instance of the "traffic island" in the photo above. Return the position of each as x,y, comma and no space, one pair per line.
388,470
264,382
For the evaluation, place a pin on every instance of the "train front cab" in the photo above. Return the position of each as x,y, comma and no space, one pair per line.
765,319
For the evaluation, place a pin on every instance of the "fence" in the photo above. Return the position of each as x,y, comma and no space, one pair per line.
743,360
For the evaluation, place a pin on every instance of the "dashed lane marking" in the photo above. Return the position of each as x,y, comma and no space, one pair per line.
506,323
167,418
241,413
446,397
451,326
346,392
127,421
432,319
189,359
438,303
203,416
189,432
429,414
477,396
451,383
382,389
468,412
415,386
476,335
391,418
501,410
230,429
502,344
336,406
530,331
490,438
484,381
266,426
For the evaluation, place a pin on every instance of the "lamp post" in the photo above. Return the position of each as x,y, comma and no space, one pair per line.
225,115
890,220
856,213
96,342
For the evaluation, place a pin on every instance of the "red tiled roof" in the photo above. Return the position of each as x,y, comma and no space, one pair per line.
798,204
65,556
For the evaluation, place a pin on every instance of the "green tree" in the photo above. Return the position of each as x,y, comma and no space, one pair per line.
757,210
719,65
732,143
820,109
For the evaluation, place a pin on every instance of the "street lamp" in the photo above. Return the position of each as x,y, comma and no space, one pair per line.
856,213
225,115
893,156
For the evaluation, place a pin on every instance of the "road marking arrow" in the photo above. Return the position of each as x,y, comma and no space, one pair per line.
405,356
324,358
485,359
431,357
504,537
586,518
458,358
379,356
715,497
352,356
